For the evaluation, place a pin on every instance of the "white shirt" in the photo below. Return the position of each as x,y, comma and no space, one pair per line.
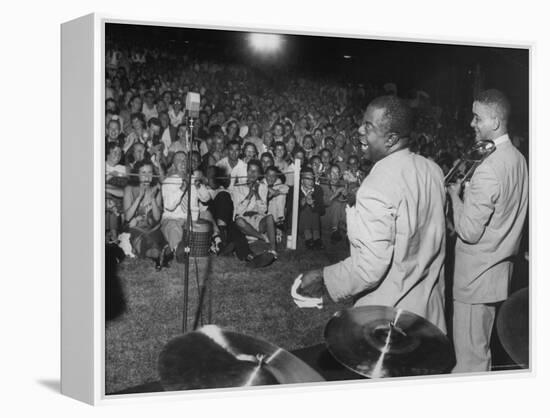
118,169
149,112
175,119
166,140
239,192
175,202
237,174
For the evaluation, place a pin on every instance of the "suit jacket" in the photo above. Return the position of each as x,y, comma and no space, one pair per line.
397,239
489,223
318,200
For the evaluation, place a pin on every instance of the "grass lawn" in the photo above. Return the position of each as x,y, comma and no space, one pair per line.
254,302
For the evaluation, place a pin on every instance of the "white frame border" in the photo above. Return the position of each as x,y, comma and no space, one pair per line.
97,90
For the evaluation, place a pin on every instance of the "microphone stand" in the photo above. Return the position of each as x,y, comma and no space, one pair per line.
187,242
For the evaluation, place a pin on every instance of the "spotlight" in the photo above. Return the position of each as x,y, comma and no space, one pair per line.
347,57
265,42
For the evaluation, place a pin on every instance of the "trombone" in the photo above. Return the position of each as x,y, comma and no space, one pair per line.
473,158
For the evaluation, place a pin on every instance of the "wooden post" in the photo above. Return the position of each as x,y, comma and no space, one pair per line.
293,238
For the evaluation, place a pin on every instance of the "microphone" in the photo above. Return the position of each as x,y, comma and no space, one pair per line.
192,104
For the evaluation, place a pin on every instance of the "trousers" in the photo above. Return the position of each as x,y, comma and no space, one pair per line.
472,327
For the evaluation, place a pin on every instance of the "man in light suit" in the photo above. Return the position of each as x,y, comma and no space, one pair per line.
488,222
396,228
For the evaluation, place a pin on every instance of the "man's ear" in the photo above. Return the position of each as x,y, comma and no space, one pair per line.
496,124
392,139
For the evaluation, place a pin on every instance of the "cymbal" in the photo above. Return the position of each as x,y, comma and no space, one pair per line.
379,341
216,358
513,327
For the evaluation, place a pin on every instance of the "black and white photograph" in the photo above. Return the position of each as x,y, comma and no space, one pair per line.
283,209
301,208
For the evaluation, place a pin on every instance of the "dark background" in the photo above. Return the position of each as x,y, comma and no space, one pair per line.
446,72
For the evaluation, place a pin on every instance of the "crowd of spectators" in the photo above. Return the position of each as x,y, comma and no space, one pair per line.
246,143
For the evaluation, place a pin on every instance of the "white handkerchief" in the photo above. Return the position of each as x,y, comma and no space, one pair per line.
304,301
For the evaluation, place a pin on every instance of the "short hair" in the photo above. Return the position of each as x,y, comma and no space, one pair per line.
298,149
267,154
138,115
325,150
497,101
256,163
134,178
153,121
248,144
214,129
306,170
233,142
279,144
273,168
114,121
353,157
314,157
178,153
111,146
397,114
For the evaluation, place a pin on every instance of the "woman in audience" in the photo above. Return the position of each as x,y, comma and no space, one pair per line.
280,157
249,152
267,160
135,154
290,144
138,132
309,147
255,136
142,210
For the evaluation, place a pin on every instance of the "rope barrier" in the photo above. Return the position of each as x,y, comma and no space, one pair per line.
323,179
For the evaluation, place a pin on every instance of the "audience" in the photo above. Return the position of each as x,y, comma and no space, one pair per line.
248,126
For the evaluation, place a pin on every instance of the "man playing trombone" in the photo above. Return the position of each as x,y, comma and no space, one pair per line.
488,222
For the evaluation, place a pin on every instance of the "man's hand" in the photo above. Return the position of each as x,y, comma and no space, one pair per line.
183,186
453,190
151,192
312,284
142,188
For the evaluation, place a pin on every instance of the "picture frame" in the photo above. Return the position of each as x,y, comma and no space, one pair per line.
83,280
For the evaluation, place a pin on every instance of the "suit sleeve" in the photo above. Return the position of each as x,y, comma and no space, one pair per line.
318,198
372,236
480,197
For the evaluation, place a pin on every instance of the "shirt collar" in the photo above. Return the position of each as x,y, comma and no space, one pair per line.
501,140
396,154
